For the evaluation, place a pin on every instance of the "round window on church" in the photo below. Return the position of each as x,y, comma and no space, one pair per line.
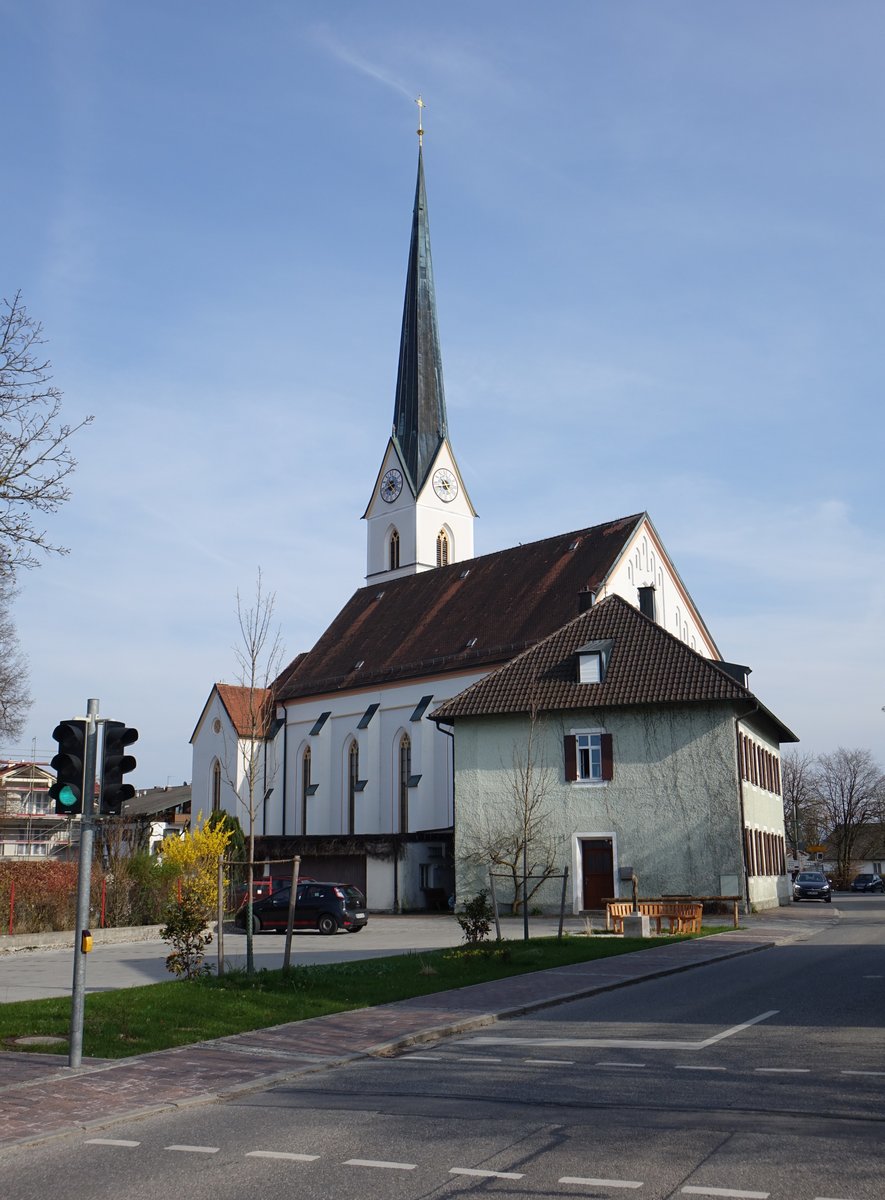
216,726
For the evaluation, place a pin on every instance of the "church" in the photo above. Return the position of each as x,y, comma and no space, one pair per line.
359,749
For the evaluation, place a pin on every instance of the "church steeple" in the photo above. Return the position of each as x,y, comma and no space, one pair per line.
420,515
419,415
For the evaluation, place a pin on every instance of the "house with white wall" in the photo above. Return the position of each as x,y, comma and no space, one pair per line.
644,754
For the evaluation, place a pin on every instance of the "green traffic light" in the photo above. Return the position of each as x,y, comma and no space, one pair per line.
68,797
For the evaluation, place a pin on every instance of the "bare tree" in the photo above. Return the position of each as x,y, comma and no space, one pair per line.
801,807
258,655
35,458
517,830
14,698
850,789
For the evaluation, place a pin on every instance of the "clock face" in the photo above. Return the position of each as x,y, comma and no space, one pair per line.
445,485
391,485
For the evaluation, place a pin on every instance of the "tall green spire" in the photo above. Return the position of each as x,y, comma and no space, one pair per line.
419,416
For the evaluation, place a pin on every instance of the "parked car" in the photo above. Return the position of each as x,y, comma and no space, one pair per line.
868,883
326,907
812,885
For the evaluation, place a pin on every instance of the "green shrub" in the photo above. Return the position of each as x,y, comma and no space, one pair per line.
475,919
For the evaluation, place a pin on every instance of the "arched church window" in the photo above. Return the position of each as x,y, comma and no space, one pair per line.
393,552
442,548
405,770
353,774
305,787
216,786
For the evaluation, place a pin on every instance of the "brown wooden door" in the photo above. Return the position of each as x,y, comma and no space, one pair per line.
597,866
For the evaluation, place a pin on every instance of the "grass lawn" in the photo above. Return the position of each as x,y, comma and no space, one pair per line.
136,1020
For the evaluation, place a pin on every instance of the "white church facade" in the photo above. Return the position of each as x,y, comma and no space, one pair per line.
356,775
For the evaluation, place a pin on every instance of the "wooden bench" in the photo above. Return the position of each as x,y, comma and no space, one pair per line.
681,916
733,901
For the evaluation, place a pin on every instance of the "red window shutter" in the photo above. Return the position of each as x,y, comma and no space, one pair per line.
570,750
608,764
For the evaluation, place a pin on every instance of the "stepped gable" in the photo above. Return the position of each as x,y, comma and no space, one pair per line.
647,665
471,614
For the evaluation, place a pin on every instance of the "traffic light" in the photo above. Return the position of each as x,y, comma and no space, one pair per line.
115,762
67,791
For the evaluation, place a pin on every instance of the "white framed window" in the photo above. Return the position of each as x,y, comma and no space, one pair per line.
589,750
588,756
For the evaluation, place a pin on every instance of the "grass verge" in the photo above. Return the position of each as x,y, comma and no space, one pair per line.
162,1015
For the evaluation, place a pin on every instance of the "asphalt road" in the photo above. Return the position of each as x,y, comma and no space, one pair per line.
763,1076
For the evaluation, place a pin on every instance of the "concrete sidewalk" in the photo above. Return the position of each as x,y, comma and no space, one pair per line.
42,1098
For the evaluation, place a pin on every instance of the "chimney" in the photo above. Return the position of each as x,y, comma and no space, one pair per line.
586,599
647,601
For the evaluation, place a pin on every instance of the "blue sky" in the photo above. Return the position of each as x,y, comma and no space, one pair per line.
658,247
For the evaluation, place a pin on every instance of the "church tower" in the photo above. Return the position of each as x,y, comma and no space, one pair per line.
420,515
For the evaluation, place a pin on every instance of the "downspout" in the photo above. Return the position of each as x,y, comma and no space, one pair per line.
740,783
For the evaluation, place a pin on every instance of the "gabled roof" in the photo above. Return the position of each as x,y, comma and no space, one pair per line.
647,665
246,707
469,615
419,416
235,700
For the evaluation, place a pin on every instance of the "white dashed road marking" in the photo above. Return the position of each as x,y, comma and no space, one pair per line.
613,1183
282,1154
782,1070
474,1058
681,1068
387,1166
196,1149
619,1064
484,1174
549,1062
862,1072
737,1195
110,1142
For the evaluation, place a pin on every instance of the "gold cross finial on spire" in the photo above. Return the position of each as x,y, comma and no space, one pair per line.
421,107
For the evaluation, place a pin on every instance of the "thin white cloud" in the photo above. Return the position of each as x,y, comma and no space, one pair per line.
325,38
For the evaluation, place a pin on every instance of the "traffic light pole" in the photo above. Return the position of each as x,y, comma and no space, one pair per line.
84,879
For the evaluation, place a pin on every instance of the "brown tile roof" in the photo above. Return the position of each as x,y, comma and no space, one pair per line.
248,710
647,665
471,614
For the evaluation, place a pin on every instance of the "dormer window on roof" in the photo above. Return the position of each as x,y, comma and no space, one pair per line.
593,661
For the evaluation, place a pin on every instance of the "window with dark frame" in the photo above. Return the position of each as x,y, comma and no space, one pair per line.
216,786
305,787
393,551
405,771
353,775
442,549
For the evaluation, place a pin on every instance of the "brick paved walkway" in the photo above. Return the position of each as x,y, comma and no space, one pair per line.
42,1098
